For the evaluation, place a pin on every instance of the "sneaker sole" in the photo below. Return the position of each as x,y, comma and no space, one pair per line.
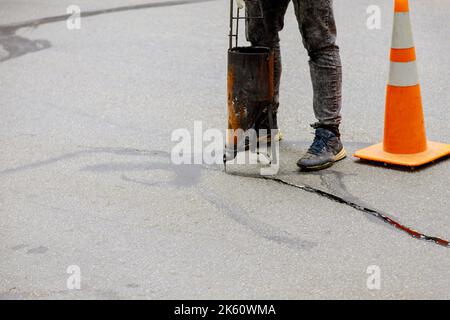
340,156
278,137
267,139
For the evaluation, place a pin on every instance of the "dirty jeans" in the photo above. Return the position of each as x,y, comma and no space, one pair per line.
318,29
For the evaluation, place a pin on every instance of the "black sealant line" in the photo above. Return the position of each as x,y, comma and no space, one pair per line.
377,214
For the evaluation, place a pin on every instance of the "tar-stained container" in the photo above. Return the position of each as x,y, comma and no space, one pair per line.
250,83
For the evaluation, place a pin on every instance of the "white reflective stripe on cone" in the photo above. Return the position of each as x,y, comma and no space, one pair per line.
403,74
402,36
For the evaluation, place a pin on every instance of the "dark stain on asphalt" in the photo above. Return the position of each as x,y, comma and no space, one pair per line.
333,181
238,215
11,28
19,247
189,176
184,175
259,228
183,178
13,46
77,154
38,250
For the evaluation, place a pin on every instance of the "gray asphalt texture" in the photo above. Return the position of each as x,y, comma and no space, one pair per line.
85,126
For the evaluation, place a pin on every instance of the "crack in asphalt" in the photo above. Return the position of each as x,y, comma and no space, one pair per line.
190,178
373,212
8,29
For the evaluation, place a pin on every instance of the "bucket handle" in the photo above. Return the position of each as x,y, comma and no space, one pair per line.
235,15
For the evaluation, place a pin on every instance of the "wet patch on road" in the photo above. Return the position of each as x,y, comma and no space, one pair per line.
13,46
38,250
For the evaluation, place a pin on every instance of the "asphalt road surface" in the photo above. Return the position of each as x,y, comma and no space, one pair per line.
87,178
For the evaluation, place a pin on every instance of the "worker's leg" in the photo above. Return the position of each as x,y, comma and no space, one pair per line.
318,29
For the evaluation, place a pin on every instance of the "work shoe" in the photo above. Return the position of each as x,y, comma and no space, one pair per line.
326,149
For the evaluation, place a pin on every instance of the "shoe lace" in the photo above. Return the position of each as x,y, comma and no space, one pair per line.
320,142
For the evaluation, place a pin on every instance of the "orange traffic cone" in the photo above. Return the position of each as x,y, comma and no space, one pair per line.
405,141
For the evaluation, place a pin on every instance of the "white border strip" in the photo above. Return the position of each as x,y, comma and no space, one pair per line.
402,36
403,74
